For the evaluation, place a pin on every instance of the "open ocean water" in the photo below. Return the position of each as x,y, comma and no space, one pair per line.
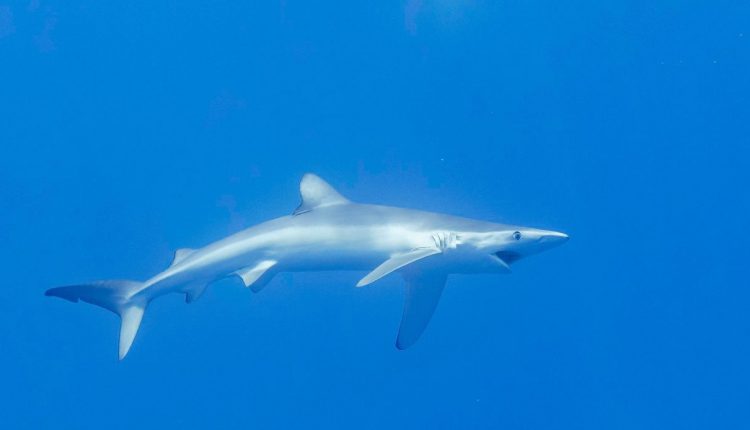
131,129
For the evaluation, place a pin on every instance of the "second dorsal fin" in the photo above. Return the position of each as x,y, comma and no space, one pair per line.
181,254
315,193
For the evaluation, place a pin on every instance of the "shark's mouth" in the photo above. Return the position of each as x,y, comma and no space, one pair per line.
508,256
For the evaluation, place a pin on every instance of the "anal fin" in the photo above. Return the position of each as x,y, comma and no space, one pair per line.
194,291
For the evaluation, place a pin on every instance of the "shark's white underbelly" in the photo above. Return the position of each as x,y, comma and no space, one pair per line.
294,249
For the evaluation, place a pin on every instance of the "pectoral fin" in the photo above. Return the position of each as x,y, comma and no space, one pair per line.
423,292
397,262
498,263
256,277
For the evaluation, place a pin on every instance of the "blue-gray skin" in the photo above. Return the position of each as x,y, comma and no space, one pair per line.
328,232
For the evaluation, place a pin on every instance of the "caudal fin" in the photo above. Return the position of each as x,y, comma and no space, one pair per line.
116,296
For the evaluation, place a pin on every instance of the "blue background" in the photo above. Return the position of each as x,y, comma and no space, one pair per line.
131,129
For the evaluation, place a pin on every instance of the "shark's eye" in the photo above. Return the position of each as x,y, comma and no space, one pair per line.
517,235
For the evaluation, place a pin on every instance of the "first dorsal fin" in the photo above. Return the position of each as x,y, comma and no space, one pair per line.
181,254
315,193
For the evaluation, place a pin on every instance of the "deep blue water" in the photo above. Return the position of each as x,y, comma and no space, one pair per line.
130,130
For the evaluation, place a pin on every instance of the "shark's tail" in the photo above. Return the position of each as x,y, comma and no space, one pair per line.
116,296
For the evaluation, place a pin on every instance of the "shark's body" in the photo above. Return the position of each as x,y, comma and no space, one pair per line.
328,232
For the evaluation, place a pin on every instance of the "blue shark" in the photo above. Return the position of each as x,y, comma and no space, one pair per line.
329,232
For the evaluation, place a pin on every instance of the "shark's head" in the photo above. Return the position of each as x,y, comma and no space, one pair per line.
522,242
512,243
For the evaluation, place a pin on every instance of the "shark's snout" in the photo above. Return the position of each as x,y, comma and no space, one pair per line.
553,238
529,241
543,240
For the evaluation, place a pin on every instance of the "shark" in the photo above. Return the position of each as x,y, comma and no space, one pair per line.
328,232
